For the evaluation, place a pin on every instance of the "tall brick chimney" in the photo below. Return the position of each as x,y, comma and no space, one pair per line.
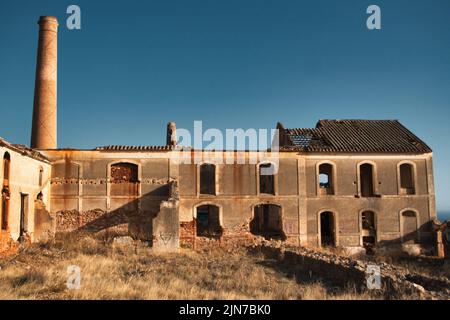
171,134
43,134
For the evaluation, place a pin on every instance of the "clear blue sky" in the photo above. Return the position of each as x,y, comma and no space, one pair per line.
135,65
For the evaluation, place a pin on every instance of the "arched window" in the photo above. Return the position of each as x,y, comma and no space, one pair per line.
208,179
326,183
366,180
6,167
208,221
5,191
407,179
267,178
368,229
124,179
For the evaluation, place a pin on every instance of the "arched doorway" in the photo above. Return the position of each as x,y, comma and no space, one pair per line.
410,234
368,230
267,221
327,229
208,221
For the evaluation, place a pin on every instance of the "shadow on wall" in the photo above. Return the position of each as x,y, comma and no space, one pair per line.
145,218
412,236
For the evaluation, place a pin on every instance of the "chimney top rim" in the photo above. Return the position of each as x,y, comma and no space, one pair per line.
48,18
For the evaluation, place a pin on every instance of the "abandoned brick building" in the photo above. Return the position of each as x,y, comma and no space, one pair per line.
350,183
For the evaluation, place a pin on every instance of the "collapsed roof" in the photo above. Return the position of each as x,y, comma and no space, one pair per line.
360,136
23,150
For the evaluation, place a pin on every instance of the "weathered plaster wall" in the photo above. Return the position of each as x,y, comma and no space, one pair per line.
84,192
347,203
237,194
81,182
24,179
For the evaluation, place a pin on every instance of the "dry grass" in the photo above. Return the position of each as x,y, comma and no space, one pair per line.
40,272
428,265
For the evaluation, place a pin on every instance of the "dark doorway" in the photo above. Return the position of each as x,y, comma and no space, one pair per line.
5,208
23,214
327,229
368,230
208,221
267,222
5,191
409,227
366,180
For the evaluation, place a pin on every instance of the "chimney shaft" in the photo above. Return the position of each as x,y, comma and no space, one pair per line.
171,134
43,134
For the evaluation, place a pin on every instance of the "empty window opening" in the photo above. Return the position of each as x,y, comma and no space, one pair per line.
368,230
407,179
327,229
5,192
208,179
208,221
267,222
23,214
266,178
124,179
410,233
6,168
41,173
124,172
366,180
326,179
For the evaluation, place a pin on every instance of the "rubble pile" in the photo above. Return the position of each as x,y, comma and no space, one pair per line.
340,270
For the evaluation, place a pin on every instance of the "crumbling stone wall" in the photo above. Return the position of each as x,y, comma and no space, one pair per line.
110,224
166,230
44,223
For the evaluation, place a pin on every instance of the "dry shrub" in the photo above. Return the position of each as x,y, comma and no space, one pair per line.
33,277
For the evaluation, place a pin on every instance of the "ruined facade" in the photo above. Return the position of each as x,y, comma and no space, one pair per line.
352,183
317,197
25,195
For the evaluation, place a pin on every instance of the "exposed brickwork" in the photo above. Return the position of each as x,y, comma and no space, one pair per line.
124,172
74,220
188,232
7,245
238,234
